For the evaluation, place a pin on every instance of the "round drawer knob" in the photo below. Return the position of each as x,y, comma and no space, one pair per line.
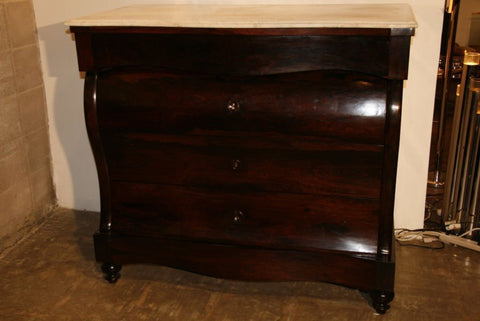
238,216
233,107
236,164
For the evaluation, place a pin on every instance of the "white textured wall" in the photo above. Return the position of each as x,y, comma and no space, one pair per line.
74,168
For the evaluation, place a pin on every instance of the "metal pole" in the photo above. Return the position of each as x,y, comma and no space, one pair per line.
468,163
452,9
472,208
458,140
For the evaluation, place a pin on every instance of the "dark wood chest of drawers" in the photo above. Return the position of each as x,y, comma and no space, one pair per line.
254,154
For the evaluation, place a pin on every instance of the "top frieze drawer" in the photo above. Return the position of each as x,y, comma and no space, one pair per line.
370,51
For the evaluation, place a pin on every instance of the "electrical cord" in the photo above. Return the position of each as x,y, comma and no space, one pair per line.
434,239
469,231
419,238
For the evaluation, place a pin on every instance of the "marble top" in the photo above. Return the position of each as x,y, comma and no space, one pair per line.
255,16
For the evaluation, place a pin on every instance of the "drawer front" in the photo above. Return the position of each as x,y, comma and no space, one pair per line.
238,165
241,54
276,220
327,104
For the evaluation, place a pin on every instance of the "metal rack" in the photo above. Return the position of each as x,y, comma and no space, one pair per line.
462,185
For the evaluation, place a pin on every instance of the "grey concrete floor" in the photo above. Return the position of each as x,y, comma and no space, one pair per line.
52,275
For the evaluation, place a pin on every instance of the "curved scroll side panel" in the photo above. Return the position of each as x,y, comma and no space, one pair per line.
91,119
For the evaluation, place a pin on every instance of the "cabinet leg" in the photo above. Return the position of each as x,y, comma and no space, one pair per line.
381,300
111,271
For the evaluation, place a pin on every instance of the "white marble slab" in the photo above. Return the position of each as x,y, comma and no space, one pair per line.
256,16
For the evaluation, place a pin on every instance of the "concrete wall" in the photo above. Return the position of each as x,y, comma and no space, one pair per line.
26,187
74,169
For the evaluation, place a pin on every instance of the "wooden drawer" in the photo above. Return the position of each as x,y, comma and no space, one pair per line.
229,53
328,104
277,220
239,164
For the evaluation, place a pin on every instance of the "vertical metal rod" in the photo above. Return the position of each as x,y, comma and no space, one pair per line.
466,186
473,211
454,152
449,6
452,9
458,140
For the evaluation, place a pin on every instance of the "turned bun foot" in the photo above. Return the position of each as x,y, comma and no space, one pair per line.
381,300
111,271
